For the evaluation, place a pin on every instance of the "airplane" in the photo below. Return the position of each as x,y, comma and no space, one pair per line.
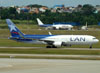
41,24
84,27
52,41
54,26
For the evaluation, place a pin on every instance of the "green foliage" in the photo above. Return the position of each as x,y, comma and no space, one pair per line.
35,5
85,15
88,9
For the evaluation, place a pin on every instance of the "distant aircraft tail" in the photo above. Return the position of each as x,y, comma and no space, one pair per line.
86,24
15,32
39,22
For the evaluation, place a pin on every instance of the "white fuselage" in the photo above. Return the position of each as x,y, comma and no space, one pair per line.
62,26
73,39
65,40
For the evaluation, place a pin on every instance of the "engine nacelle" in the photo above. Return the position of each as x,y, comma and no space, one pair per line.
65,44
57,44
56,28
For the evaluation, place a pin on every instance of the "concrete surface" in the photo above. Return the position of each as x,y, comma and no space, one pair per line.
48,66
52,56
50,48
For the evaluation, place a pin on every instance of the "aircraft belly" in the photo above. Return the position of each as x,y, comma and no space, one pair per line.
37,42
79,43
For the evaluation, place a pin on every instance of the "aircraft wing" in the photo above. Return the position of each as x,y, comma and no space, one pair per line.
51,42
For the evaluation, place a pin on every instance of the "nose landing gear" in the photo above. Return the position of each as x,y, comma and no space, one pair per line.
90,47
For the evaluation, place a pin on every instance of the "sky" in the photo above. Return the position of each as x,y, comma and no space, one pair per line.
49,3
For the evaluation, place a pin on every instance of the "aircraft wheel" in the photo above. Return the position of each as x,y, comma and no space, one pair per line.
54,46
51,46
48,47
90,46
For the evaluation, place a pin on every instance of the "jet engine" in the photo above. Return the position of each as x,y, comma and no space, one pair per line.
57,44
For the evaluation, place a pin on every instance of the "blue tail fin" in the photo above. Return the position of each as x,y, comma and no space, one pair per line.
15,32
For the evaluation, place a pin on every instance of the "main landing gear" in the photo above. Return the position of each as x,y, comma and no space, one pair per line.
90,47
52,46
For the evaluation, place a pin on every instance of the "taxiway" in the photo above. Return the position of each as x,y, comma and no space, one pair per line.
48,66
50,48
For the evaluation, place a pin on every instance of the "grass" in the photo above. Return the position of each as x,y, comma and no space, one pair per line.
49,51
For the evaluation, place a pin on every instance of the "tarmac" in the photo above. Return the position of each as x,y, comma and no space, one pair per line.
51,56
50,48
48,66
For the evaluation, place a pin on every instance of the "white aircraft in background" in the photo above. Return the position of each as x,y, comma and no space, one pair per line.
52,41
54,26
84,27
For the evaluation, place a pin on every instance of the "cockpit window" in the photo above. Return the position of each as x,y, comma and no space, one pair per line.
94,38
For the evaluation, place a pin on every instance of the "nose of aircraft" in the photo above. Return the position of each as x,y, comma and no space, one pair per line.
97,40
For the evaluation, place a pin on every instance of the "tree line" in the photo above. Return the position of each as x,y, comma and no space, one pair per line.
86,14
